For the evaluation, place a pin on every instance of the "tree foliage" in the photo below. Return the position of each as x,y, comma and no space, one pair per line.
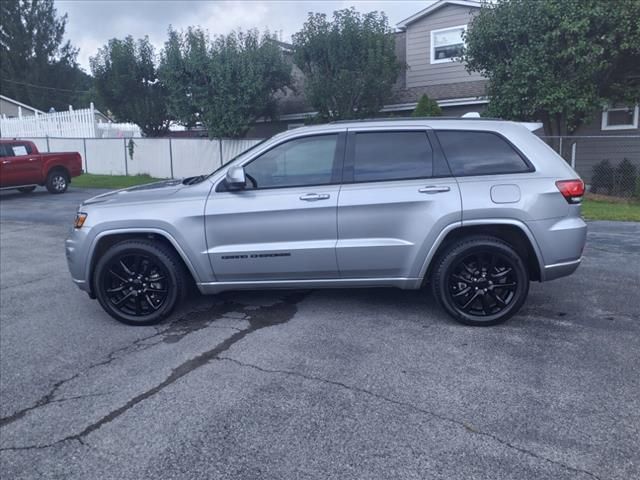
556,60
126,80
427,108
36,66
225,83
349,63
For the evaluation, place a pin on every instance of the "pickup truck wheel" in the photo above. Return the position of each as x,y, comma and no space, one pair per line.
480,281
57,181
139,282
26,189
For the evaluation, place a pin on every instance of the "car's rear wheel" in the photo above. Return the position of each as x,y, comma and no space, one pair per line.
139,282
57,181
27,189
480,281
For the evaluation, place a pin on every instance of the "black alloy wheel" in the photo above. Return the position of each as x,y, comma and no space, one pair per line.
139,282
481,281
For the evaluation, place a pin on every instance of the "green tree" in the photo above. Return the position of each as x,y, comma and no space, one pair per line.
224,83
427,108
556,61
349,63
36,66
127,83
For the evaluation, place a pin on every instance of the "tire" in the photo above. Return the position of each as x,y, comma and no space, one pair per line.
27,189
139,282
57,181
471,298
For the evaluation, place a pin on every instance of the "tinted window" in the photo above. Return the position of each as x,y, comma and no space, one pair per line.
391,156
480,153
304,161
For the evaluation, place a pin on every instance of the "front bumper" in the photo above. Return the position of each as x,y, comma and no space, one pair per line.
76,251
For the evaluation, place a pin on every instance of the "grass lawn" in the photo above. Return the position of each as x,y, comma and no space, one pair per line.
601,210
113,182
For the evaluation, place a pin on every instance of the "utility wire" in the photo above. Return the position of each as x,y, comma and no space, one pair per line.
43,87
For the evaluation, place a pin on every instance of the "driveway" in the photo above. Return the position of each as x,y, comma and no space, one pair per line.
314,384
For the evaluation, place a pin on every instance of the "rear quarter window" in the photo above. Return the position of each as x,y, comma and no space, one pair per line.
480,153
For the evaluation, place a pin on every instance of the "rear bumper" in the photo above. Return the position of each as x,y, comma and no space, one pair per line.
551,272
561,242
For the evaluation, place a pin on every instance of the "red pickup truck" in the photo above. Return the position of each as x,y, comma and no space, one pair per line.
22,167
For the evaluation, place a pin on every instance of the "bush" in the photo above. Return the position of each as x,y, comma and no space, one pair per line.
427,108
603,178
637,192
626,173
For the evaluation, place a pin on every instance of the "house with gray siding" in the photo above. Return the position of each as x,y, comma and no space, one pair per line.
430,45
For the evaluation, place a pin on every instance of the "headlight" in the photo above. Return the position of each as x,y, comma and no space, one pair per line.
80,219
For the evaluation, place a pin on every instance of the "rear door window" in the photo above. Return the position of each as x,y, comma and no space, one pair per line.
378,156
480,153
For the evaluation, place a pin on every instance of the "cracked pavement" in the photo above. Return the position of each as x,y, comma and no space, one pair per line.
314,384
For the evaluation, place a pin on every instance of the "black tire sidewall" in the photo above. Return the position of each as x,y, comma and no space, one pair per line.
176,282
463,249
51,176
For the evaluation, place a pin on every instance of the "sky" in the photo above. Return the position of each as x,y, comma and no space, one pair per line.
91,23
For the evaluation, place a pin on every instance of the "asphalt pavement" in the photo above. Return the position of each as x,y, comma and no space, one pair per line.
343,384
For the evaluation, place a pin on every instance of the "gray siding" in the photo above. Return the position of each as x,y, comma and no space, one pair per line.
420,70
11,109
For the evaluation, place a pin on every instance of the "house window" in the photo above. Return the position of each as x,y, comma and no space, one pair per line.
620,118
446,44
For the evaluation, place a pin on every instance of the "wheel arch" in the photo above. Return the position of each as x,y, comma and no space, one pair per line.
513,232
107,239
57,167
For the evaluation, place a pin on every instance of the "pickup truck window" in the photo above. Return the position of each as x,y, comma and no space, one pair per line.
19,150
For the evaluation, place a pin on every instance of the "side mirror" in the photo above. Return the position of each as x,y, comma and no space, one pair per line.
235,178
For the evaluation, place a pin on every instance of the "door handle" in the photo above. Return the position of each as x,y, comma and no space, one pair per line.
32,159
312,197
434,189
6,161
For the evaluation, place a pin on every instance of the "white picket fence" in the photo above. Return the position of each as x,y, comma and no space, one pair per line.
157,157
70,124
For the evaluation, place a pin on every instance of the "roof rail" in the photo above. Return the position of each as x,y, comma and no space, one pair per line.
391,119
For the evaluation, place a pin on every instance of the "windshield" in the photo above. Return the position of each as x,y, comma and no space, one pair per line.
236,157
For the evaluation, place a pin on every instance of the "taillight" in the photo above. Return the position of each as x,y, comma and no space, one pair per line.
571,190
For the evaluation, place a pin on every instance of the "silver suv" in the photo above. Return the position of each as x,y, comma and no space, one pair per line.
476,208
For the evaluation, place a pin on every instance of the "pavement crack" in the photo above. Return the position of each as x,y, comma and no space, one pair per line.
258,318
45,400
466,425
174,332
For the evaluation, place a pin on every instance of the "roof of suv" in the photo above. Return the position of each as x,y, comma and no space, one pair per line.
437,123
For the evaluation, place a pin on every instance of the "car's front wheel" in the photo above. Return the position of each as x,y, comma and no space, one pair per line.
139,282
480,281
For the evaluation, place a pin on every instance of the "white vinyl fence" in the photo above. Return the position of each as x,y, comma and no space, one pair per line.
157,157
79,123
